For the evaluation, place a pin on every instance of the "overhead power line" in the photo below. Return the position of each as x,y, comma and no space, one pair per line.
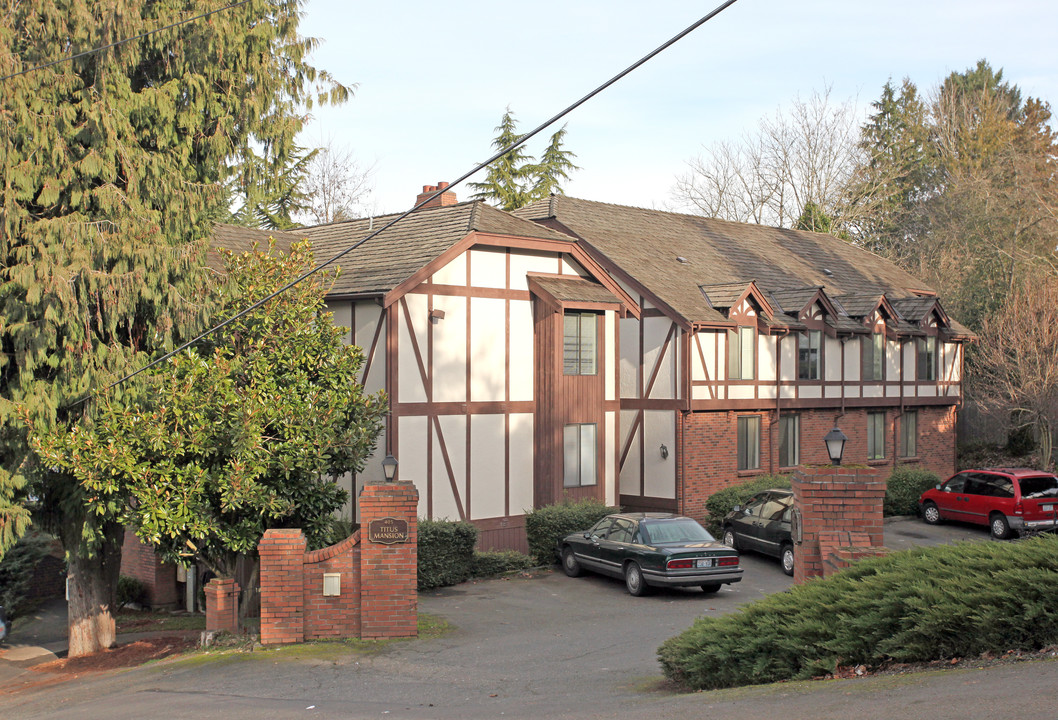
94,50
513,146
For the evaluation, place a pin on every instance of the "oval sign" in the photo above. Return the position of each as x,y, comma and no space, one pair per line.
387,531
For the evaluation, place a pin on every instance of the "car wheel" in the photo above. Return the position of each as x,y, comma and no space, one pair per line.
570,564
999,526
711,587
634,581
729,538
787,559
931,513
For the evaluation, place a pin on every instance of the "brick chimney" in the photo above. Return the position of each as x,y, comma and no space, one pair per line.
445,198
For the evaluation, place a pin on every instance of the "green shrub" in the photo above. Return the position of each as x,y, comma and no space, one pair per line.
919,605
446,551
16,572
903,489
497,562
724,501
545,526
131,592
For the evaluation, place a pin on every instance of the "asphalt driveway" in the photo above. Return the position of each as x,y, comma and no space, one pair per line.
546,647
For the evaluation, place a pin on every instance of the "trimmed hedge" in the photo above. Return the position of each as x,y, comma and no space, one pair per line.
724,501
545,526
917,605
903,489
446,552
497,562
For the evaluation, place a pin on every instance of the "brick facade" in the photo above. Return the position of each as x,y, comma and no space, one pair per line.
710,442
139,561
376,583
841,517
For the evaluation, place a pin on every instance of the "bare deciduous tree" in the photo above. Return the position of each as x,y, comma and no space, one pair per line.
336,187
1016,360
807,154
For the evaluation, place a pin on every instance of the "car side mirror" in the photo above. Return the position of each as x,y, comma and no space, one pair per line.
736,508
937,486
588,535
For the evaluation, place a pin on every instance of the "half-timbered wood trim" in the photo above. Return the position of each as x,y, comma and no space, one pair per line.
708,382
426,380
652,404
506,241
469,291
636,423
661,359
448,467
392,386
791,404
374,342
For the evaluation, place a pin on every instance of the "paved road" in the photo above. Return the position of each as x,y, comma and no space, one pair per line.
549,647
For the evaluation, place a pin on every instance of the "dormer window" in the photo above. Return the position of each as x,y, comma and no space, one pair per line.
579,343
741,353
809,344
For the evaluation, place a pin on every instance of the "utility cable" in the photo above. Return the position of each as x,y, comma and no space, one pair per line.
513,146
68,58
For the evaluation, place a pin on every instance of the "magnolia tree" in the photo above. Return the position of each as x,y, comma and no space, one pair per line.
237,435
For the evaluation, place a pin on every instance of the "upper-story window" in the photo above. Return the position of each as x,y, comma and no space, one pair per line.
741,353
873,356
809,345
579,343
926,354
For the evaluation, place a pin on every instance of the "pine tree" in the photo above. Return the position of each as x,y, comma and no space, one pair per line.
516,179
113,168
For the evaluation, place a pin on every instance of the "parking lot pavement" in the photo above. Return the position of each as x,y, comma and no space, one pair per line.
908,532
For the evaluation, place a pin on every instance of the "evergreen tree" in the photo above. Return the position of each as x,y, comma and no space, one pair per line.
516,179
113,170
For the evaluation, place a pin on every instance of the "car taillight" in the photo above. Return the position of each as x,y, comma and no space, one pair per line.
680,564
1018,509
727,561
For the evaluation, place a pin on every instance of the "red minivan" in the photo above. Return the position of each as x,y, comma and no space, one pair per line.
1007,500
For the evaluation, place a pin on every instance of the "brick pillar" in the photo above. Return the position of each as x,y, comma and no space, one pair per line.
389,571
222,605
840,507
282,555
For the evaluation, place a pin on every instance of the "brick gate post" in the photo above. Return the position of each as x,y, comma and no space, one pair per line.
282,586
222,605
389,560
840,507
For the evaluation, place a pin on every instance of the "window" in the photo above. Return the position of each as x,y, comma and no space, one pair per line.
741,358
789,440
808,344
873,357
927,358
909,434
876,436
749,442
578,343
579,450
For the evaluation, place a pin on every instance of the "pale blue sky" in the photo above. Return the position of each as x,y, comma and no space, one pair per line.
434,78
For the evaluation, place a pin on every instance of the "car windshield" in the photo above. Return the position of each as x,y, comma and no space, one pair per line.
659,532
1041,486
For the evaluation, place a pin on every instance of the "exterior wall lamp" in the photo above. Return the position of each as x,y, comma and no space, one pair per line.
835,440
664,452
389,467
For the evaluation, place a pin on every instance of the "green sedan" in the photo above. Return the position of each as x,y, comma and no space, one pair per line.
651,550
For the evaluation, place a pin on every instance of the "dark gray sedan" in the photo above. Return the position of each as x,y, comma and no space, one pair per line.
651,550
764,525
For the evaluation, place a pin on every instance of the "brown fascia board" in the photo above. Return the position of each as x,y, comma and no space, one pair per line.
516,241
762,302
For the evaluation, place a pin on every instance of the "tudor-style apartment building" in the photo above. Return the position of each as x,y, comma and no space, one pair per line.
580,349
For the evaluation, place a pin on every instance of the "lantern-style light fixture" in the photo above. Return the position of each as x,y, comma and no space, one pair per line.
389,467
835,440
